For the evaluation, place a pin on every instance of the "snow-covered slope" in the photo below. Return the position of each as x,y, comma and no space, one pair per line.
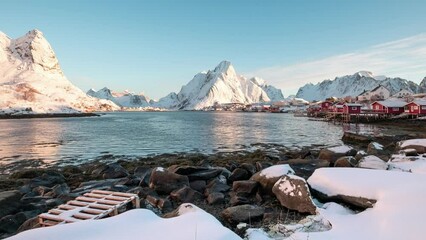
31,79
125,99
222,85
273,93
423,85
353,85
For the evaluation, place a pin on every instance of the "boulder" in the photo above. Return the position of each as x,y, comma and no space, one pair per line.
360,154
144,173
198,185
110,171
11,223
347,161
418,144
334,153
238,200
29,224
185,195
250,168
239,174
216,186
164,182
375,148
48,179
9,202
216,198
354,138
196,173
269,176
293,193
372,162
409,152
242,213
262,165
356,202
85,187
245,188
57,190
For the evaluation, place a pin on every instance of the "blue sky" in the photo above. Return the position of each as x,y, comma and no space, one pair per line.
157,46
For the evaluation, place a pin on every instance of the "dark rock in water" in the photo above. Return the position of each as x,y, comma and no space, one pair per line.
245,188
144,173
186,195
239,174
11,223
216,198
109,171
352,138
293,193
242,213
262,165
216,186
409,152
198,185
419,146
348,161
238,200
163,204
164,182
9,202
130,181
41,190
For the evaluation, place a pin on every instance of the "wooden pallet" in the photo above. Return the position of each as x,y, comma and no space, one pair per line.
93,205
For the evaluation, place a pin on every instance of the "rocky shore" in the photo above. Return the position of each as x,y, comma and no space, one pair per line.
259,188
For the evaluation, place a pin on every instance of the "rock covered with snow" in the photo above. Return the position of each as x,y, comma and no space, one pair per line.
218,86
293,193
353,85
31,79
418,144
372,162
191,222
269,176
333,153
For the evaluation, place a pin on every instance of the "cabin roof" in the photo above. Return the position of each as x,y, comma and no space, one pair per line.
421,102
353,104
391,103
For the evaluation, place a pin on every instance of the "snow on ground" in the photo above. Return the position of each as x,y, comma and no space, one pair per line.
411,142
340,149
192,223
372,162
277,171
414,164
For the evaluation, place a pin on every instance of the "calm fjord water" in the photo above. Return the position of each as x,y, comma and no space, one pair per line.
143,133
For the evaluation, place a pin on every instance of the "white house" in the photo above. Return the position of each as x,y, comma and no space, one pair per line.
403,93
379,93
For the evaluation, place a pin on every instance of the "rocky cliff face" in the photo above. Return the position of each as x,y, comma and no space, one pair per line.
31,79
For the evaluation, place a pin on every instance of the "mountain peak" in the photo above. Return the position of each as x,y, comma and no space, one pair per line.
364,74
225,67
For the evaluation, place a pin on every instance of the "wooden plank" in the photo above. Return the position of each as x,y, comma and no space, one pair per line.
83,216
120,194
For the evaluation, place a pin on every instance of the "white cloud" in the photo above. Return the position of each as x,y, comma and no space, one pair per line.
405,58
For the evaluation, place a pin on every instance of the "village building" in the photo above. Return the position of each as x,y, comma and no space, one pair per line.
404,93
393,107
378,93
352,108
416,107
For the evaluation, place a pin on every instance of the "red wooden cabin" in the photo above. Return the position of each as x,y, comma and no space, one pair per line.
417,107
393,107
352,108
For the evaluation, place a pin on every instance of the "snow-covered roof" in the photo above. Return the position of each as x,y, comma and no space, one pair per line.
392,103
353,104
421,102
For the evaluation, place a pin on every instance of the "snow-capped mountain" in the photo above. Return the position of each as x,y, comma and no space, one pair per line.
353,85
423,85
125,99
221,85
273,93
31,79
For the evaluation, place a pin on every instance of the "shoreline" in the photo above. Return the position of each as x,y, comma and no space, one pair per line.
48,115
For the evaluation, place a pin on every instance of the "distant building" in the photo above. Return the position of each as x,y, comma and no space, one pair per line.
404,93
378,93
352,108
